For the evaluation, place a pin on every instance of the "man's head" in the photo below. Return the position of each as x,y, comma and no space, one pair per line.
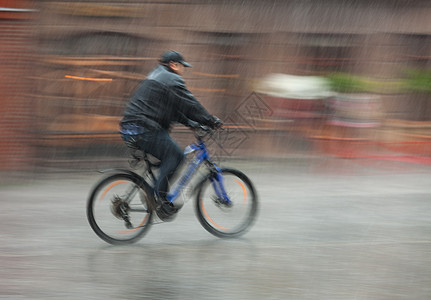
175,61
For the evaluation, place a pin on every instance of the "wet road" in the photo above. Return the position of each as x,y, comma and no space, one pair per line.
326,229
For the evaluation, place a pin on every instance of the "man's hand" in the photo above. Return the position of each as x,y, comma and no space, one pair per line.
217,123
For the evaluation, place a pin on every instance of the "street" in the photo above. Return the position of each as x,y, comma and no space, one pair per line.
326,229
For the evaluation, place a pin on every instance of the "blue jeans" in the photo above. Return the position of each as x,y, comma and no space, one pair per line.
159,144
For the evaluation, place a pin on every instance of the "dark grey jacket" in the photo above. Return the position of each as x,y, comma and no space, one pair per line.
163,99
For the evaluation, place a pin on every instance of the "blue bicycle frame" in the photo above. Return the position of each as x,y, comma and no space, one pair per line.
201,156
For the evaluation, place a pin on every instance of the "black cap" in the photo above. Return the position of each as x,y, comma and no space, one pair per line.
175,57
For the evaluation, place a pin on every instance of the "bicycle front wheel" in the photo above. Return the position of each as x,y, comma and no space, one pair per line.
227,219
118,209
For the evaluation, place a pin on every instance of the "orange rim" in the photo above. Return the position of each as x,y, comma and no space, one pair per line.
110,187
244,191
209,219
134,229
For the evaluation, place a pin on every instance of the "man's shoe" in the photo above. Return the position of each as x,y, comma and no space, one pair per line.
166,211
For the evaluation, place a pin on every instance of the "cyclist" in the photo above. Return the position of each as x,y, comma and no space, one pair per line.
161,100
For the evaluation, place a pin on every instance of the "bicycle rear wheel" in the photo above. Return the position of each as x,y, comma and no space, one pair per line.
118,209
227,220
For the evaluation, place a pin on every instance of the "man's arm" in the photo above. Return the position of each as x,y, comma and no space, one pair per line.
189,107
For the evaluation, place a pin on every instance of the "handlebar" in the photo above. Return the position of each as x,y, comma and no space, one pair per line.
202,131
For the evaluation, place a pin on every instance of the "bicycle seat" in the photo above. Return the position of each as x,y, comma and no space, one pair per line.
139,155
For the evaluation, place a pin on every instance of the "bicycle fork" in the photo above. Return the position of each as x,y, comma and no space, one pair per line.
217,181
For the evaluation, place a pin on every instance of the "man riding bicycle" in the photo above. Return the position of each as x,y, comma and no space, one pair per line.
161,100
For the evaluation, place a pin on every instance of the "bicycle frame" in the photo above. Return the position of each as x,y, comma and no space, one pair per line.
201,156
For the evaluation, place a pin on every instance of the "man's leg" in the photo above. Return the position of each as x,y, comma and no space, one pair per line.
163,147
171,157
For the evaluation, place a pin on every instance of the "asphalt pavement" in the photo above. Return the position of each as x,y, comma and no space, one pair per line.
326,229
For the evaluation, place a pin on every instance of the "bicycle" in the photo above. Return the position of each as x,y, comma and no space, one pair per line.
121,206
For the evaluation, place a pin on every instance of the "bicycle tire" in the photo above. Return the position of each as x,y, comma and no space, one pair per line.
104,213
222,220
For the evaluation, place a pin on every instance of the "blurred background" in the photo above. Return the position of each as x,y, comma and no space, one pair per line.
339,78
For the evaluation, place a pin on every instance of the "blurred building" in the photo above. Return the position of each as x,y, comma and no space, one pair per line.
69,66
